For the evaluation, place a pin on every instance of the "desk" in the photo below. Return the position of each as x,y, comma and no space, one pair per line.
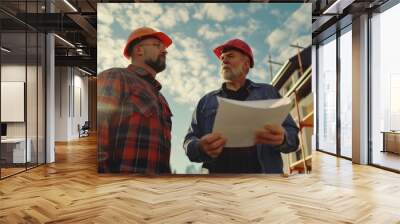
391,141
13,150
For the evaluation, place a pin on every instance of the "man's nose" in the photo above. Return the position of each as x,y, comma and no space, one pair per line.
224,60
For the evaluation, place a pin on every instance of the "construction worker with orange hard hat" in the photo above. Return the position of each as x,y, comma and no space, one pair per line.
134,119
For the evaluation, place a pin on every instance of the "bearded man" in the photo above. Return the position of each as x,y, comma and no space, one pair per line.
134,119
202,145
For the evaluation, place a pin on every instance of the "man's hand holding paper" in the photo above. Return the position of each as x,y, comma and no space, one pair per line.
246,123
212,144
271,134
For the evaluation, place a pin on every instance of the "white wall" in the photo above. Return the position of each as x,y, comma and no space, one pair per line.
61,103
70,83
15,73
80,83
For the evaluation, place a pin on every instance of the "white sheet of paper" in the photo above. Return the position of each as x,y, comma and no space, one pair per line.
237,121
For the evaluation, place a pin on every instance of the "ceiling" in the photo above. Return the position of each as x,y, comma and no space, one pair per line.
75,43
330,15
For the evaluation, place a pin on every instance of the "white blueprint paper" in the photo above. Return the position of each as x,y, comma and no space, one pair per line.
237,121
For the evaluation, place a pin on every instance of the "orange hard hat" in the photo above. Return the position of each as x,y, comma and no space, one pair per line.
236,44
143,32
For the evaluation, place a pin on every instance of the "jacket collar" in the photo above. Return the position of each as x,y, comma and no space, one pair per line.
251,85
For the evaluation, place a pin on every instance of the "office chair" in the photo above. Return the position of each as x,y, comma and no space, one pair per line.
84,130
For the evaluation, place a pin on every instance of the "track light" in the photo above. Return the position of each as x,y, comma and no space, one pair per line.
86,72
70,5
64,40
5,50
337,7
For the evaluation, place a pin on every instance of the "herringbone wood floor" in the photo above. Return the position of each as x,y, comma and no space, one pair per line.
70,191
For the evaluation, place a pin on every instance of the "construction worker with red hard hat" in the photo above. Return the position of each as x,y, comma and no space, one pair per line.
134,119
202,145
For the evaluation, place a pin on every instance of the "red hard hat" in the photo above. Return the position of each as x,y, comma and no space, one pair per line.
146,32
237,44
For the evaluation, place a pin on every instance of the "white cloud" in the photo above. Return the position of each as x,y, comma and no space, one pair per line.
302,16
172,16
115,7
255,7
280,39
210,33
105,13
183,13
110,49
276,37
289,52
214,11
260,73
241,15
253,25
169,19
275,12
189,73
242,32
149,9
150,14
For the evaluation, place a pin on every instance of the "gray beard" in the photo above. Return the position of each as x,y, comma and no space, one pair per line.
230,74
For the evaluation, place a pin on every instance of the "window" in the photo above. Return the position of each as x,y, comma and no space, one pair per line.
22,68
327,95
346,92
385,88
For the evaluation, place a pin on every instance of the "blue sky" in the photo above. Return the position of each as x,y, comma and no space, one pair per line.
192,68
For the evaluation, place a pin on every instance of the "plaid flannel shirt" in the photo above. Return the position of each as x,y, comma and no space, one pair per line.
134,122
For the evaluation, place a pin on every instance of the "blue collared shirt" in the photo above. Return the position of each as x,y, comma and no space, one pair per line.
269,156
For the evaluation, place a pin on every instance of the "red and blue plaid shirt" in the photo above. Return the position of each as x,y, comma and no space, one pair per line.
134,122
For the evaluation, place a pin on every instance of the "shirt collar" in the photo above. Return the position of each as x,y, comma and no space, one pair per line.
145,72
147,68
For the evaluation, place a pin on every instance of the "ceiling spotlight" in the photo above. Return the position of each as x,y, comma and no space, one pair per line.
80,51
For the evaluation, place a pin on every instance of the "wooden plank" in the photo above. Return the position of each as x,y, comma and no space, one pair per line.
308,120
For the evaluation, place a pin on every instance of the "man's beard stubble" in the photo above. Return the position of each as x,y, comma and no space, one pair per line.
158,65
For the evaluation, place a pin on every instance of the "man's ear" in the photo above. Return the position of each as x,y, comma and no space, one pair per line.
246,60
247,63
